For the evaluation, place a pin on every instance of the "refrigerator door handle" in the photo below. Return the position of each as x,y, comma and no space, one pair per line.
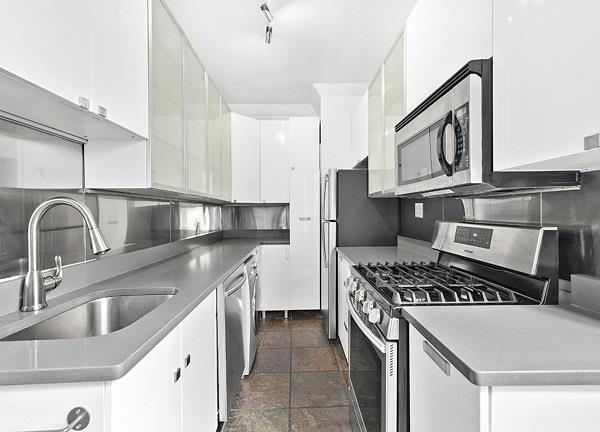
325,244
325,205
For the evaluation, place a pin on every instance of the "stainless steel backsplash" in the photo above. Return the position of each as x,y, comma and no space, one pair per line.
575,213
256,217
35,166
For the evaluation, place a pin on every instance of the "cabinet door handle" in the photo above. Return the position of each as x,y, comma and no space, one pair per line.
304,218
177,375
437,358
77,419
188,360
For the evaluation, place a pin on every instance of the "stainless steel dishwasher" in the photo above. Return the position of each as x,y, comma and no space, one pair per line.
231,339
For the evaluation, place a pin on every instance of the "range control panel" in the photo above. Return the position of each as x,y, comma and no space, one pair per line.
473,236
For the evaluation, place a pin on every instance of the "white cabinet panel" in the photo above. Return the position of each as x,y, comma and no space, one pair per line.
274,161
439,401
245,159
136,398
546,89
376,135
304,239
304,143
394,110
45,407
199,367
225,152
360,130
168,150
441,37
343,270
120,62
274,293
195,124
49,42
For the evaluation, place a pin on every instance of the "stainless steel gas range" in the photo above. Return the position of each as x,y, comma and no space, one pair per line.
477,264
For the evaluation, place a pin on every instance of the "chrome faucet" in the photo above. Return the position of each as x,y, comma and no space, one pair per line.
37,282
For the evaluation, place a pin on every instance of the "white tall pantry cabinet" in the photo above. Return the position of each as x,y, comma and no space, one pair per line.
274,161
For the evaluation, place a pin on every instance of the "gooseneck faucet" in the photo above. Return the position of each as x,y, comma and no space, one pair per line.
37,282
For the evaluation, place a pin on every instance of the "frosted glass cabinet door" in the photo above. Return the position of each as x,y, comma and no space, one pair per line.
395,110
195,124
168,156
376,135
214,140
225,152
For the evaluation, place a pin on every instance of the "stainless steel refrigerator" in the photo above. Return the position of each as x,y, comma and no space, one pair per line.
350,218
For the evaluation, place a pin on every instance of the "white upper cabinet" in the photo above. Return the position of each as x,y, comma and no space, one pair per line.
49,43
167,139
376,135
225,152
360,130
274,161
394,110
120,62
546,90
195,124
245,159
441,37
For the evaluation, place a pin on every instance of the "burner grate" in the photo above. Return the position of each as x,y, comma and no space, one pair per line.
433,283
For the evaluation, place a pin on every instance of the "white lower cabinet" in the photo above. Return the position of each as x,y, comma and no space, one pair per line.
45,407
343,273
448,401
173,388
274,271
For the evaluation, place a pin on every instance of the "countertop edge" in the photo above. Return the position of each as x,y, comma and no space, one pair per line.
505,378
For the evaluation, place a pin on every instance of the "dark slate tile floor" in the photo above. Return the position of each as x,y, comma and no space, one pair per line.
298,382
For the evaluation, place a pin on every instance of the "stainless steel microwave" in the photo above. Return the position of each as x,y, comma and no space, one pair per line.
444,146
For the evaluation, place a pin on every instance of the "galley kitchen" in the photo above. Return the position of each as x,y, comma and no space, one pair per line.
299,216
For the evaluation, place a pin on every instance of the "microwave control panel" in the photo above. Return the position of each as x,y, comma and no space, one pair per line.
461,132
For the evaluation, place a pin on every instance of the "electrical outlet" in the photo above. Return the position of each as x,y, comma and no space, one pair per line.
419,210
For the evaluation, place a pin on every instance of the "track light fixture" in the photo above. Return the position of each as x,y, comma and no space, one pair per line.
266,12
268,34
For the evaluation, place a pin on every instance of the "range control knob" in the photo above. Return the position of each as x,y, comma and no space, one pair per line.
353,285
367,306
360,295
375,316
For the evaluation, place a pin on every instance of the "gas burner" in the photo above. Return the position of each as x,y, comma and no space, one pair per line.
432,283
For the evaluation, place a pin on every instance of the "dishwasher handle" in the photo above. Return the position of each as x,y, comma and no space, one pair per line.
77,419
235,286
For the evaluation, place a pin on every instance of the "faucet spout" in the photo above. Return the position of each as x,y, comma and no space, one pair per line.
35,285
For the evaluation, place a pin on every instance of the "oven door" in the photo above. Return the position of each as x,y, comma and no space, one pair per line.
373,376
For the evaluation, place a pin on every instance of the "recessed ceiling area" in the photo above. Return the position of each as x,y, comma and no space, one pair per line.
314,41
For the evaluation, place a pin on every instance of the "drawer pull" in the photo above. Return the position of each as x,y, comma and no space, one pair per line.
437,358
177,375
188,360
304,218
77,419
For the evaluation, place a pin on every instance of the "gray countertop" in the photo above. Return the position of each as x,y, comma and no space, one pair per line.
514,345
407,250
194,275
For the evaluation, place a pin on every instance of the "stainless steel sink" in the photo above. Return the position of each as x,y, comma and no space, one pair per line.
94,318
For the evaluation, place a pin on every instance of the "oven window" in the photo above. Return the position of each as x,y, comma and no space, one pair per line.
366,364
414,159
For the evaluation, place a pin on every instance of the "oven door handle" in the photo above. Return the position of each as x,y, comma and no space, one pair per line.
378,343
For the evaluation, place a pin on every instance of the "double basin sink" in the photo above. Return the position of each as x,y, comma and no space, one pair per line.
96,317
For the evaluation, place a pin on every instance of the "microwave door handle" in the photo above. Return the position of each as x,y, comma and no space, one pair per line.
441,144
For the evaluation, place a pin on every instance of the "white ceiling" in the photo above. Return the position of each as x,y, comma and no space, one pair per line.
314,41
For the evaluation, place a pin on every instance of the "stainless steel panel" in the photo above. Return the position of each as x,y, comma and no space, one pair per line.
521,209
256,217
194,219
329,278
130,224
515,248
329,197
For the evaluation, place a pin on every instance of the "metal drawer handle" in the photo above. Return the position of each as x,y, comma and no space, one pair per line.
304,218
77,419
176,375
437,358
188,360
